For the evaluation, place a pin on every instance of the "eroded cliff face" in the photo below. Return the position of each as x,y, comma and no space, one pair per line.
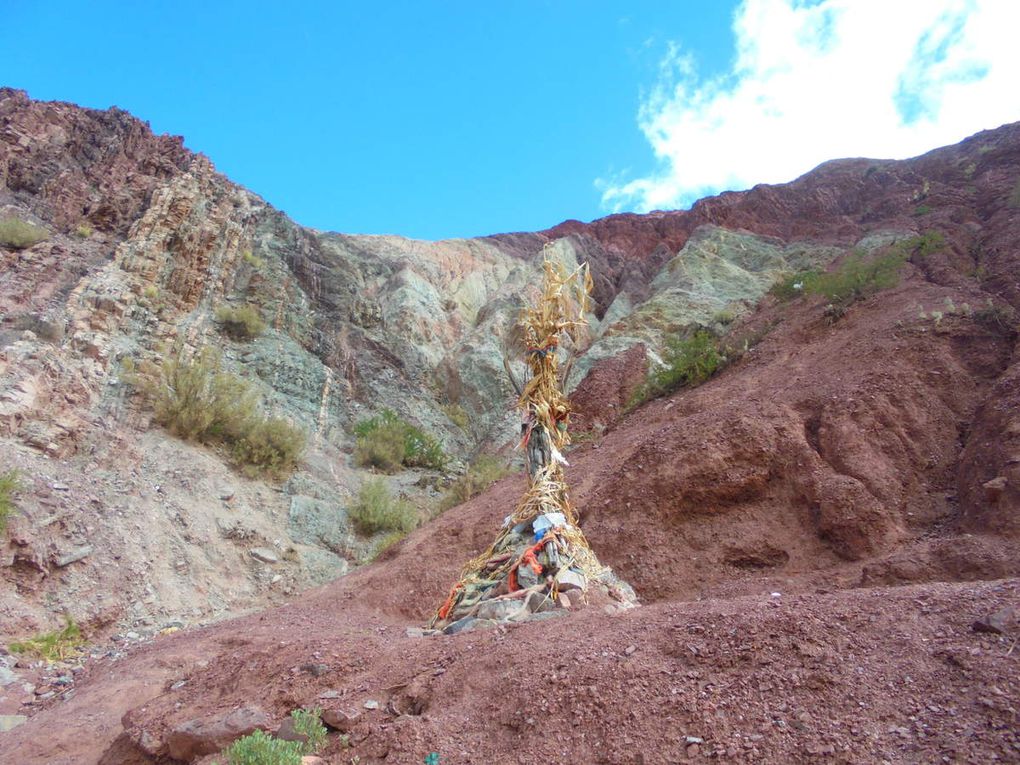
147,240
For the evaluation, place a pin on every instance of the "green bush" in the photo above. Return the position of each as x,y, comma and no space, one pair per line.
253,260
51,646
18,234
382,448
855,278
859,276
375,509
10,483
308,723
244,323
792,286
83,231
386,442
481,474
457,415
259,748
194,399
1014,197
688,362
996,317
724,317
924,244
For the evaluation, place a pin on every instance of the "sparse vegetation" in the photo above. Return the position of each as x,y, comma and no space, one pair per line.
83,231
17,234
259,748
996,317
51,646
924,244
385,544
858,275
386,442
724,317
482,473
922,210
44,329
307,722
10,483
243,323
1014,196
253,260
457,415
687,362
376,509
194,399
151,292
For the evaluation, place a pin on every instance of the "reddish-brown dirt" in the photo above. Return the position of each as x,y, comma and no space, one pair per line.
813,533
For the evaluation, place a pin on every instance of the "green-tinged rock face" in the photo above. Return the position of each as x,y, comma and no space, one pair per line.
718,276
322,523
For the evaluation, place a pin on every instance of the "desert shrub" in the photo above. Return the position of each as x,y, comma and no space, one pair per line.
386,442
858,276
482,473
270,443
724,317
18,234
259,748
253,260
457,415
44,329
244,323
83,231
996,316
308,723
382,448
422,450
151,292
1014,196
688,362
10,483
385,544
51,646
924,244
791,286
922,210
855,278
194,399
375,509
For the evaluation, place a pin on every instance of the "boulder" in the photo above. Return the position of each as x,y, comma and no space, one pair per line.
342,720
198,737
264,554
499,610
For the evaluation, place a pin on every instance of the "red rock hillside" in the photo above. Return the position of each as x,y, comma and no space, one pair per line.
823,536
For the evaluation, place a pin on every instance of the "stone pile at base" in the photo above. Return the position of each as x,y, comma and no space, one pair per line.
536,569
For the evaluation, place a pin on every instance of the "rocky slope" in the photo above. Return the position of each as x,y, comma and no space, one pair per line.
841,452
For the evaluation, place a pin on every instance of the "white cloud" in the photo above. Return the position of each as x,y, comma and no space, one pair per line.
821,80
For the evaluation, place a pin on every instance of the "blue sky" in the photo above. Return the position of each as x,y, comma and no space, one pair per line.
427,119
443,119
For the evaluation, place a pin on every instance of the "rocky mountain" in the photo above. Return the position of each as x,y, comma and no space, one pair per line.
812,531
